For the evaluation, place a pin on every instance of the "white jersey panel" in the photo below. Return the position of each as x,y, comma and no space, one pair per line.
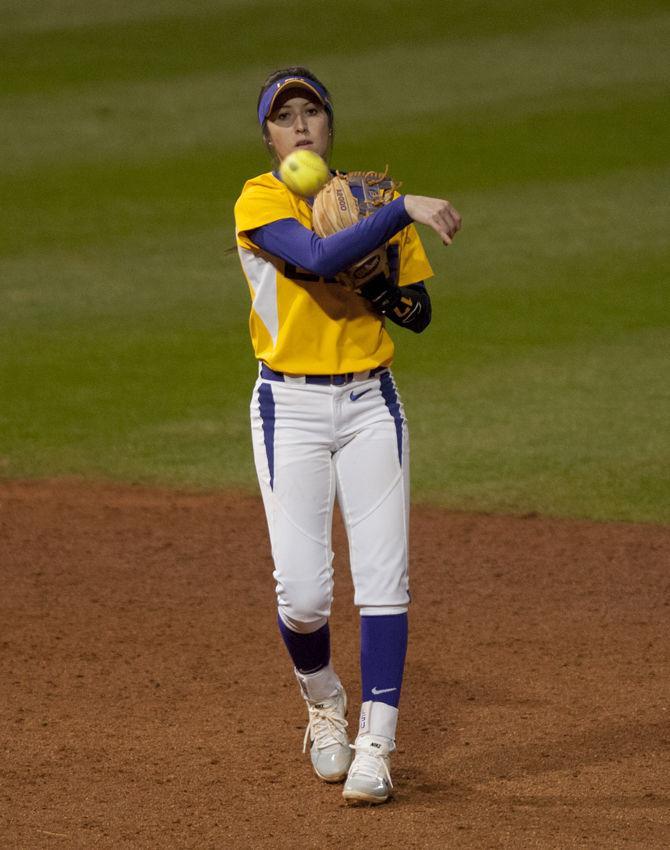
262,277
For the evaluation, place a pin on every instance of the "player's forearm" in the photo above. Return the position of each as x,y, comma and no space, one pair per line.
296,244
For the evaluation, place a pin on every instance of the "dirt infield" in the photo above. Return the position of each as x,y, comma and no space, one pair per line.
147,702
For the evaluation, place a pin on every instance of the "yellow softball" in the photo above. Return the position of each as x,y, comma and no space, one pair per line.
304,172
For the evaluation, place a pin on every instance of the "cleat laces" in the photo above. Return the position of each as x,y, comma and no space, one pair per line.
369,766
327,726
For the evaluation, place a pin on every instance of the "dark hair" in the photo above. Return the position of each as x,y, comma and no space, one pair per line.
294,71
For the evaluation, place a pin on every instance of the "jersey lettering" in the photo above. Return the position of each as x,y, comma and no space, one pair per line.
294,273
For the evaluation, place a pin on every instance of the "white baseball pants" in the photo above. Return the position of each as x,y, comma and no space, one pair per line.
313,442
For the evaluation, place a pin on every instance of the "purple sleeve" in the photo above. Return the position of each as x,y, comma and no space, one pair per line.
326,256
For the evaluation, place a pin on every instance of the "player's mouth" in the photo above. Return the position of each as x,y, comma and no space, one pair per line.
303,143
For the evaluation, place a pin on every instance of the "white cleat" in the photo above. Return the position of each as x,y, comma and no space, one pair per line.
327,730
369,779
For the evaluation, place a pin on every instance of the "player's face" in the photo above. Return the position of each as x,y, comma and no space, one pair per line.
297,123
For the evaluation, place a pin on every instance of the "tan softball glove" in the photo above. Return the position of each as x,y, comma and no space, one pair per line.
343,201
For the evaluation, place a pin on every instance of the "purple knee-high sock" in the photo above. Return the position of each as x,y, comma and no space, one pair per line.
309,652
383,649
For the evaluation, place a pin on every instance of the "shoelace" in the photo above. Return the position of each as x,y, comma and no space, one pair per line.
367,764
326,726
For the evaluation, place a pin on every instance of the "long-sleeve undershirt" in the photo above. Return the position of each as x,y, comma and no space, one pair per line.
326,256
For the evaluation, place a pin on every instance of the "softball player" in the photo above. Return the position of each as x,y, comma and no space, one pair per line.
327,422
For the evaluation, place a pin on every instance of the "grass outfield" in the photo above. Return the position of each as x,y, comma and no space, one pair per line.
125,136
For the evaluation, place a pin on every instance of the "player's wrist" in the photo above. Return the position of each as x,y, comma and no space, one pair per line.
401,202
381,292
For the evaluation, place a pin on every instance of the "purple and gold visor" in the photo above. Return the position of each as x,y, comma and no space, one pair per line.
270,94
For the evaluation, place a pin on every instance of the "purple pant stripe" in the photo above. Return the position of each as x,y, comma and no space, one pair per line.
391,398
267,410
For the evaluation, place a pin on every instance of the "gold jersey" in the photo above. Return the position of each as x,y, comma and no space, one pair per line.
299,323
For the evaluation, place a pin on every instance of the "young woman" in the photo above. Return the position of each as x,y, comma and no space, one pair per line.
327,421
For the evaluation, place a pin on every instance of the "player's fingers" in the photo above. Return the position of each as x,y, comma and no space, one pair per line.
450,224
453,217
456,217
442,228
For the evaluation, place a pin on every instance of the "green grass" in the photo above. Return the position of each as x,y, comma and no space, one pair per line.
125,136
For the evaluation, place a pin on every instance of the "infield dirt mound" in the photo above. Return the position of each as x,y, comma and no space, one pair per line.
147,701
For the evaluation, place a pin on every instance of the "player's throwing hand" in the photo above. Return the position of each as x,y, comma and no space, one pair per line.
436,213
